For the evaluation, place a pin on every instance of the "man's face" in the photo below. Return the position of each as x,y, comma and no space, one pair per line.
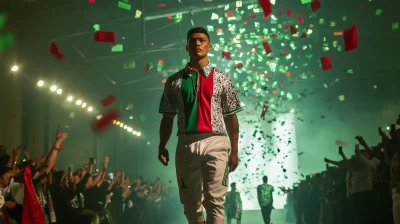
198,45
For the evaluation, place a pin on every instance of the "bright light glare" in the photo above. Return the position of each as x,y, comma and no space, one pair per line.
70,98
99,117
40,83
14,68
78,102
139,134
90,109
125,127
53,88
292,110
59,91
84,105
121,125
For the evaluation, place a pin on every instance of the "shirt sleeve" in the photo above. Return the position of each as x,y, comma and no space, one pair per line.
168,101
230,100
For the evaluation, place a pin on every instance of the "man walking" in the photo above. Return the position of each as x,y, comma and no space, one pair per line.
265,199
204,99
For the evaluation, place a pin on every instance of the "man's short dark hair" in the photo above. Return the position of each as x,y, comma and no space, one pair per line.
265,179
233,184
197,30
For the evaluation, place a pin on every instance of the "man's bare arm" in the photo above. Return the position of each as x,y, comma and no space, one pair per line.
166,126
232,127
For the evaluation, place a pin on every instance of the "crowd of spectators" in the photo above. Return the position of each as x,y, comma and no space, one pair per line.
35,191
361,189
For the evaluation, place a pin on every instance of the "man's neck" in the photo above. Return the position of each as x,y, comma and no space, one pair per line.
198,64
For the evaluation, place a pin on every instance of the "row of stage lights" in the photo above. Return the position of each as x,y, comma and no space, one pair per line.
84,105
81,103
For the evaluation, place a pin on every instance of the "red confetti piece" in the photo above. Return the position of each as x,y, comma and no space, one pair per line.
350,38
275,35
160,62
169,17
264,110
280,12
285,52
146,68
293,29
105,121
164,81
289,12
108,100
230,13
275,91
326,63
53,49
252,16
285,27
244,22
267,48
287,74
303,35
92,1
301,20
104,36
315,5
162,5
226,55
266,6
240,65
269,78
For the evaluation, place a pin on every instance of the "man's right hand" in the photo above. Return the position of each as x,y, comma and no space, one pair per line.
163,155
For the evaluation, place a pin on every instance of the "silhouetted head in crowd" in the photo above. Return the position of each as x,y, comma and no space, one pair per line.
5,160
233,186
6,176
265,179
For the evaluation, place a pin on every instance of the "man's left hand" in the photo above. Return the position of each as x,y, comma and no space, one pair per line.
233,162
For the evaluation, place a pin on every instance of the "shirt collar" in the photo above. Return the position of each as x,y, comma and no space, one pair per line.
206,70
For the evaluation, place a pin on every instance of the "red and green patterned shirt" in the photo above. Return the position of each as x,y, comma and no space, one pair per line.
200,101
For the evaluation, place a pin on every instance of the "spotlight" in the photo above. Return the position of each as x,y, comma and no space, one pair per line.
90,109
78,102
129,129
53,88
292,110
59,91
101,116
40,83
121,125
118,123
125,127
139,134
14,68
134,132
70,98
84,105
131,117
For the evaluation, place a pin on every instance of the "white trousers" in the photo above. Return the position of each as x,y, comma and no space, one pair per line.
202,174
396,206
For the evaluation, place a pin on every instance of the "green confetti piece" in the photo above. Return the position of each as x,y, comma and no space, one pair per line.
321,21
117,48
378,12
129,65
395,26
341,98
210,28
160,67
96,27
124,5
178,18
143,118
350,71
305,1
